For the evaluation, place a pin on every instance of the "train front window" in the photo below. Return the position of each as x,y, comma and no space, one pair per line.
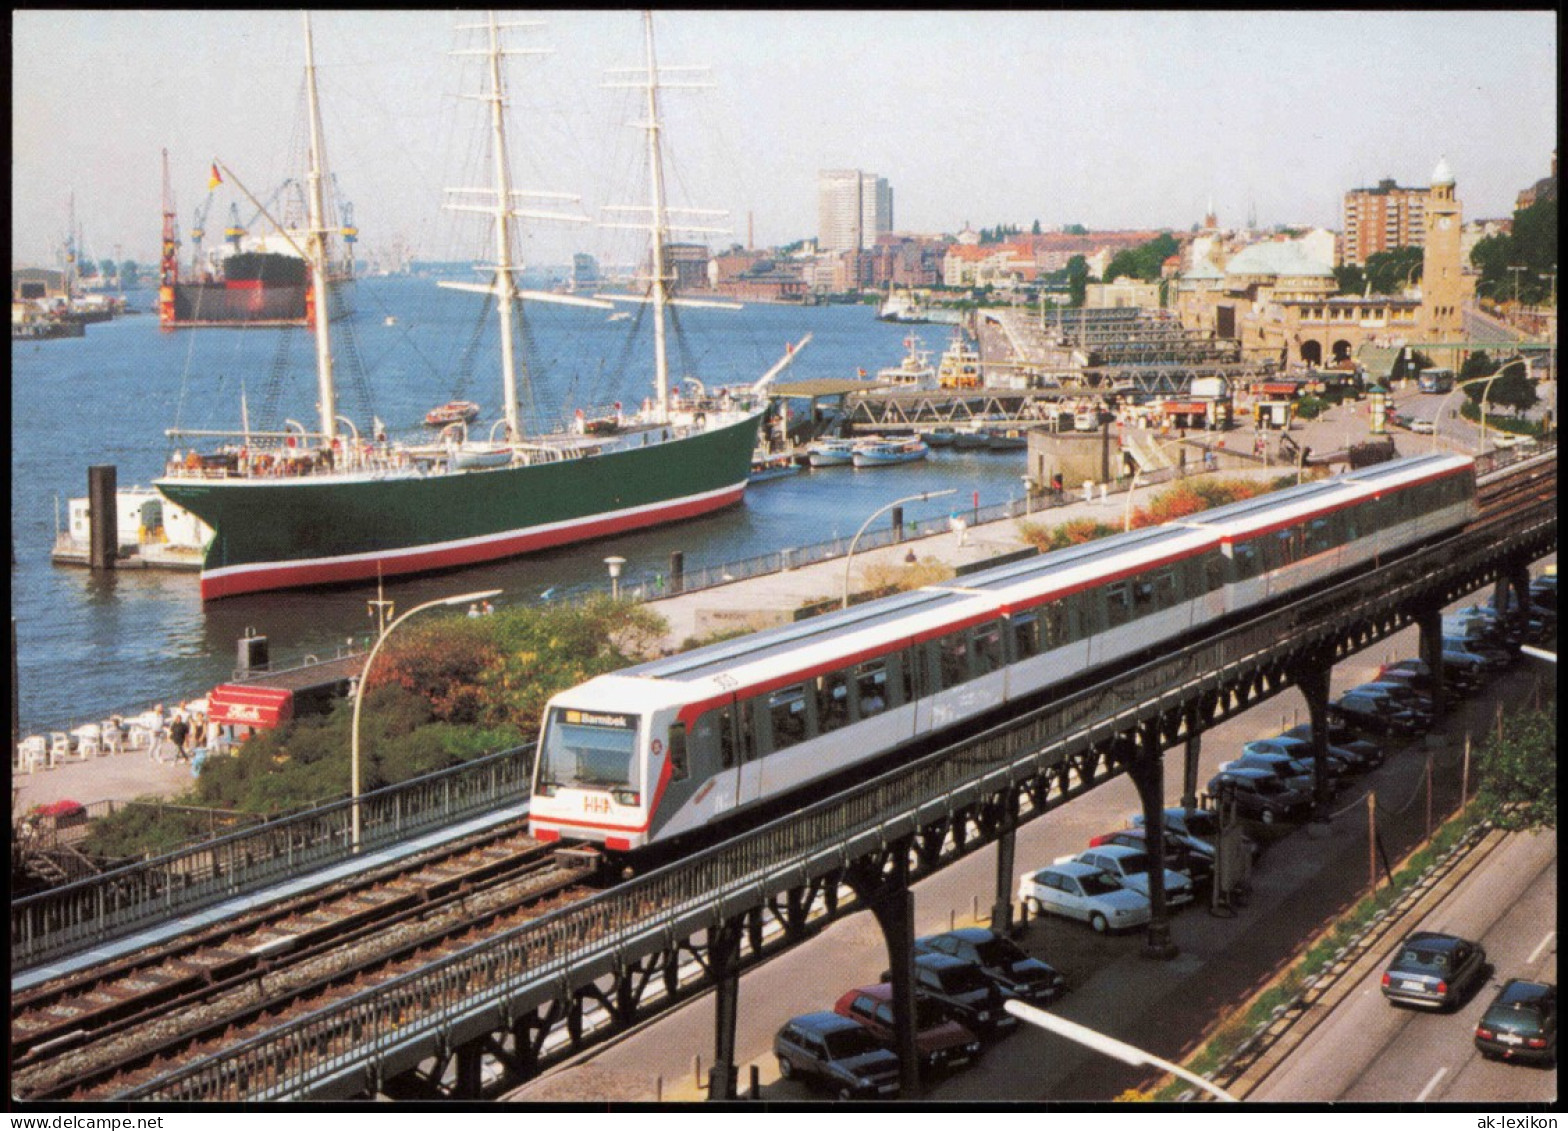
589,749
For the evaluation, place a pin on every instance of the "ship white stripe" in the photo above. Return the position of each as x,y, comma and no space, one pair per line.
463,543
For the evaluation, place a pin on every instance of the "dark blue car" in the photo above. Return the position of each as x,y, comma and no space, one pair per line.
837,1054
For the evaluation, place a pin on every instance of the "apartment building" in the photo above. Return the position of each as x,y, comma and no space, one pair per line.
1381,219
853,209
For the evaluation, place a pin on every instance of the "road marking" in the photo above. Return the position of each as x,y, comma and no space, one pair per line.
1536,953
1431,1084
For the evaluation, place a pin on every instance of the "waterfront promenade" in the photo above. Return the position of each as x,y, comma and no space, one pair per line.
767,598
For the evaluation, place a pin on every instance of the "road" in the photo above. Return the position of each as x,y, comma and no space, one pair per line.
1368,1050
1302,884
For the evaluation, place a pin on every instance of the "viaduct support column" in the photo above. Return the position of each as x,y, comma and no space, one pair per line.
724,966
1430,624
1148,776
883,886
1006,842
1310,672
1516,576
1192,752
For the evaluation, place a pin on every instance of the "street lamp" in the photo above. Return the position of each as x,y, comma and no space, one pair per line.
883,510
1110,1046
1487,381
364,678
615,565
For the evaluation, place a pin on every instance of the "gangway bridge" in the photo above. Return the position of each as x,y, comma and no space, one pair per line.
530,996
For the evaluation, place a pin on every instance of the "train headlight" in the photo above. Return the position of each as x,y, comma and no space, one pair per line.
625,796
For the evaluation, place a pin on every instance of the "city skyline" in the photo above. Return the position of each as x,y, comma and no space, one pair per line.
1125,120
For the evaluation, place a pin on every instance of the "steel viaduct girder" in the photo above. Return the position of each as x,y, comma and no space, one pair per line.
612,953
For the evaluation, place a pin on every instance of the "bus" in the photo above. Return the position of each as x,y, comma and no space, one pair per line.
1435,380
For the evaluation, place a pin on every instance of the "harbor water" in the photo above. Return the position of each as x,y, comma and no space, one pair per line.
91,644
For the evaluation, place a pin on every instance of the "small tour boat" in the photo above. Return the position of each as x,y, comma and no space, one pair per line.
830,452
888,452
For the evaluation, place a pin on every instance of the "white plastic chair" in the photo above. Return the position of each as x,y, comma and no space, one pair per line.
88,746
33,753
59,747
113,737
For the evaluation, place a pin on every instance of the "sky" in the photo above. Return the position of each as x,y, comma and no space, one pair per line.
1109,119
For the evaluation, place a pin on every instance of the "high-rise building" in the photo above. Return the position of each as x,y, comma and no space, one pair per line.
1381,219
853,209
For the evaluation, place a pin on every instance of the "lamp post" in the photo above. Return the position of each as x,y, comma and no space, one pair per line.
1516,272
1109,1046
364,678
615,565
849,557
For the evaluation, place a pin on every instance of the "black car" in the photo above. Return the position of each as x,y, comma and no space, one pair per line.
1457,683
1410,699
1434,970
1375,713
1358,755
961,991
1521,1023
838,1054
1000,959
1260,795
1198,829
1481,661
1198,866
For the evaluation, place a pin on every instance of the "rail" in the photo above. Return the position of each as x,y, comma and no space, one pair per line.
63,920
346,1046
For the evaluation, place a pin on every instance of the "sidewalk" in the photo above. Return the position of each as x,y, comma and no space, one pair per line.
111,777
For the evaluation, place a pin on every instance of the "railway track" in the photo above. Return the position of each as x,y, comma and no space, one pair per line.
90,1035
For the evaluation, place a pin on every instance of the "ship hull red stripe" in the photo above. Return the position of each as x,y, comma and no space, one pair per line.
367,567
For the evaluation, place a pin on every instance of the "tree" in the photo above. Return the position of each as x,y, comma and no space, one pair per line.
1519,773
1388,271
1532,246
1512,387
1075,230
1035,230
1077,280
129,273
1350,279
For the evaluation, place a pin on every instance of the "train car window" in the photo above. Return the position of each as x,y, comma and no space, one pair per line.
787,713
1118,603
953,660
1349,525
1142,596
832,701
1247,560
1053,619
1165,595
1026,636
679,767
871,688
1213,571
1319,536
727,738
901,678
987,646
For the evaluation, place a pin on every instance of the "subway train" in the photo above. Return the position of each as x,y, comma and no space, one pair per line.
660,752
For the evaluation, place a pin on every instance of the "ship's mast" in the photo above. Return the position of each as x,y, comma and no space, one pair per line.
659,226
505,285
317,247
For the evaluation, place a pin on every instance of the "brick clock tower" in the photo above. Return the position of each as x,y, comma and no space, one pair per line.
1444,288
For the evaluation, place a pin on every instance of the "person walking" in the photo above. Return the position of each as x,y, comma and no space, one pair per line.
179,731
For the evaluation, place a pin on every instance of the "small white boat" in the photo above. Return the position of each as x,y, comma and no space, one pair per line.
453,412
828,452
888,452
914,372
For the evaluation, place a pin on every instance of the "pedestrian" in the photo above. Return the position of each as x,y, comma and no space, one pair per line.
473,610
488,608
179,731
1056,487
1088,490
959,527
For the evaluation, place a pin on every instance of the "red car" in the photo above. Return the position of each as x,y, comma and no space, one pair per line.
942,1044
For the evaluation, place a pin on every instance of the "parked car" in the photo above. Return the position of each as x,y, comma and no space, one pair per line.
1000,959
1434,970
836,1053
942,1044
1195,865
1131,868
1299,752
1539,623
961,991
1409,698
1473,657
1543,592
1282,766
1421,425
1261,796
1479,634
1521,1023
1458,680
1199,829
1375,713
1357,753
1079,891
